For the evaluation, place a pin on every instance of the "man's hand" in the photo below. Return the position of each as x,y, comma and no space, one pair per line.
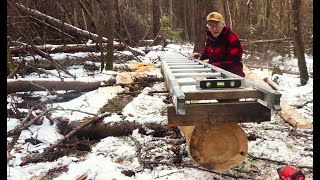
196,55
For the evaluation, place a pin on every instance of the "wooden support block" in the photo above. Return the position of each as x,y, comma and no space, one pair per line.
238,112
223,94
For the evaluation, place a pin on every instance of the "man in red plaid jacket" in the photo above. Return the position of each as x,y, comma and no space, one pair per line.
223,47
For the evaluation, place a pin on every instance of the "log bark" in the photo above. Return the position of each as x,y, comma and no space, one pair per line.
38,157
70,48
102,129
288,113
43,84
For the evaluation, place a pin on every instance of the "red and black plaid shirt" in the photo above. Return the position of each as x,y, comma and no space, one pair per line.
225,51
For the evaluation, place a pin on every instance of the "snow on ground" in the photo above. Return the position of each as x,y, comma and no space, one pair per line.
89,102
111,155
292,63
146,109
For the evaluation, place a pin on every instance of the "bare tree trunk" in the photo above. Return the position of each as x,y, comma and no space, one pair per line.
289,18
156,17
170,13
200,20
298,42
192,10
230,18
96,20
75,17
84,20
281,15
267,18
185,27
110,34
119,20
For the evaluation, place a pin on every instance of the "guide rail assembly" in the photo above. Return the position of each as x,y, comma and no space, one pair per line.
203,93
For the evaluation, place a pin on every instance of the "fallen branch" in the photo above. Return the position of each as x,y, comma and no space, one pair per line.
138,149
13,142
14,72
75,110
27,123
42,70
55,64
38,157
70,48
57,23
61,32
143,163
274,85
67,27
41,84
245,41
17,135
51,172
47,56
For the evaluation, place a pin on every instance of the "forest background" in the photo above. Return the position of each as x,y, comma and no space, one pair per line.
261,25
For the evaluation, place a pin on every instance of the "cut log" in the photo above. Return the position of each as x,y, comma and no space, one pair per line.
288,113
70,48
216,147
43,84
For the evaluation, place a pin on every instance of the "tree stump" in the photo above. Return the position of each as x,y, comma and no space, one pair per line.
217,147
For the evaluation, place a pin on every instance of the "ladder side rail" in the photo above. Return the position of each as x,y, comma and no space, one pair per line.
178,96
270,99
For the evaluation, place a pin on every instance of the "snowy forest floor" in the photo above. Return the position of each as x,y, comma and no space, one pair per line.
135,128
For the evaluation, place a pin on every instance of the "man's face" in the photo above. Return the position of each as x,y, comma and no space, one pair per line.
215,27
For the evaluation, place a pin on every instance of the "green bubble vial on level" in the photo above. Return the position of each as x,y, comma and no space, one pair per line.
220,84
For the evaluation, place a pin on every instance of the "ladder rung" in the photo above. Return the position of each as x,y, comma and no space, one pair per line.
196,75
178,60
192,70
182,63
186,81
186,66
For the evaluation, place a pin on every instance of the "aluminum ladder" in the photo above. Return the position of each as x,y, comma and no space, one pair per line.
205,94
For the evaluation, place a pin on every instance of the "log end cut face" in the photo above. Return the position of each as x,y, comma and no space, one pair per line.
218,147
